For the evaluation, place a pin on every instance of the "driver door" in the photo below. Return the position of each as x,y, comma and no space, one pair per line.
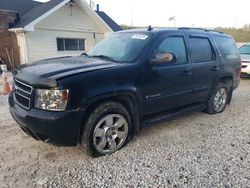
168,85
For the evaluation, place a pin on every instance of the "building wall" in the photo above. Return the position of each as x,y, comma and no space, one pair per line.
8,41
42,44
70,16
68,22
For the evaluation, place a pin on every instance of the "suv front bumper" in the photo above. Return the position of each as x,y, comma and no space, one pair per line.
59,128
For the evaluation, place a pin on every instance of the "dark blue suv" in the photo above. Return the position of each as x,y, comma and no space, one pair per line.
129,80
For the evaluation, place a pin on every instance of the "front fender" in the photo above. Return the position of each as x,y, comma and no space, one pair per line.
109,94
127,96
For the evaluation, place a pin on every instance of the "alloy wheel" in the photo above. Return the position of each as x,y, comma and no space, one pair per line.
220,99
110,133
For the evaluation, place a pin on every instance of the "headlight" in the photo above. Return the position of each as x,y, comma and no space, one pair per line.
54,100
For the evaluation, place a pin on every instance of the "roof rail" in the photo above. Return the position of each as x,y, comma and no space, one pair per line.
197,28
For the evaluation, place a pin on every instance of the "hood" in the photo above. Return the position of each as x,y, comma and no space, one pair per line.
45,72
245,57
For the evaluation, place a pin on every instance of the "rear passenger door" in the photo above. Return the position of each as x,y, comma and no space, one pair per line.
205,66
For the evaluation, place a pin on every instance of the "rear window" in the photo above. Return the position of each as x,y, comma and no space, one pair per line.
201,49
227,47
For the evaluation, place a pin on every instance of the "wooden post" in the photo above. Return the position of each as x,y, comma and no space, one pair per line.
7,52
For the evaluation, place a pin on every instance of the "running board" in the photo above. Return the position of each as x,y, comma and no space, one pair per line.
173,114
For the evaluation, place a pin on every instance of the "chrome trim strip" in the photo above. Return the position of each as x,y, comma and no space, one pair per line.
31,88
26,107
16,88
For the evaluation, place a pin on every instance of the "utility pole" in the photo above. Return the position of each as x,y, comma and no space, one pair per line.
132,16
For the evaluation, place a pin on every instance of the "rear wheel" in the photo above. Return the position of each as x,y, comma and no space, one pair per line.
218,99
107,129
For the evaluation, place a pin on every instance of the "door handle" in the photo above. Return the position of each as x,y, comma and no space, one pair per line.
188,72
215,68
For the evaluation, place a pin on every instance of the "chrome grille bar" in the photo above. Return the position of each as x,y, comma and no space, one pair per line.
20,85
22,93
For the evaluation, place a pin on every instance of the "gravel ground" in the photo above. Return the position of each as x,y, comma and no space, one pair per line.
195,150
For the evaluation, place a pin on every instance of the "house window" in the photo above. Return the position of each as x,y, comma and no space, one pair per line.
66,44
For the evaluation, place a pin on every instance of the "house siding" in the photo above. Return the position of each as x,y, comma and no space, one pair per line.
21,40
42,44
68,22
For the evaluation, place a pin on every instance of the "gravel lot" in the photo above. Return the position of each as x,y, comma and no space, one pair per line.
196,150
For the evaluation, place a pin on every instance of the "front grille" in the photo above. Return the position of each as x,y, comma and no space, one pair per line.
23,86
22,100
22,93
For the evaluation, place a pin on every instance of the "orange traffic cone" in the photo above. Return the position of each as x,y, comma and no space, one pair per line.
6,86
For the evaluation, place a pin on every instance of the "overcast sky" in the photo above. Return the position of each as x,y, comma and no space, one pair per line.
197,13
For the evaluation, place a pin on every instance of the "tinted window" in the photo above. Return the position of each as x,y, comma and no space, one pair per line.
227,47
175,45
201,49
64,44
245,49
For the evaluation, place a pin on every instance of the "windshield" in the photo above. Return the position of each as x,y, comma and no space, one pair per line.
121,47
245,49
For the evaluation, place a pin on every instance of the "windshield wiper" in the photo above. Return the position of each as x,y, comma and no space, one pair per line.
104,57
84,53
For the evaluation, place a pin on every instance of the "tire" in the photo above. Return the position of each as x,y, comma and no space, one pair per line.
107,129
218,99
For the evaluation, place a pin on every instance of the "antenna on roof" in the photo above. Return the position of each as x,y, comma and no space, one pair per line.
150,28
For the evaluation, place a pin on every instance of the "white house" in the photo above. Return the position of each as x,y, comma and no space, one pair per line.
60,28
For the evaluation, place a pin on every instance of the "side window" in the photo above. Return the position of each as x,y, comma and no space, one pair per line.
175,45
201,49
227,47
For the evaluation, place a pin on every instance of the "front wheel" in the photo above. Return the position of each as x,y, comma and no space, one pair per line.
218,99
107,129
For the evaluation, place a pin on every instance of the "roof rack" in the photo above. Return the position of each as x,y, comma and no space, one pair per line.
197,28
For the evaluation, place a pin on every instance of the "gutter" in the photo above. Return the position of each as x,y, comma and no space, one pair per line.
17,30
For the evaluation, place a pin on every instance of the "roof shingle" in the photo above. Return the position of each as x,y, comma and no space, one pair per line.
109,21
20,6
30,10
36,12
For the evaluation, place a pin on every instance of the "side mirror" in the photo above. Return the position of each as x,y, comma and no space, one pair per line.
163,58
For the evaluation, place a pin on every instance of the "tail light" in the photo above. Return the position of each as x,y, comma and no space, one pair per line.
238,72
